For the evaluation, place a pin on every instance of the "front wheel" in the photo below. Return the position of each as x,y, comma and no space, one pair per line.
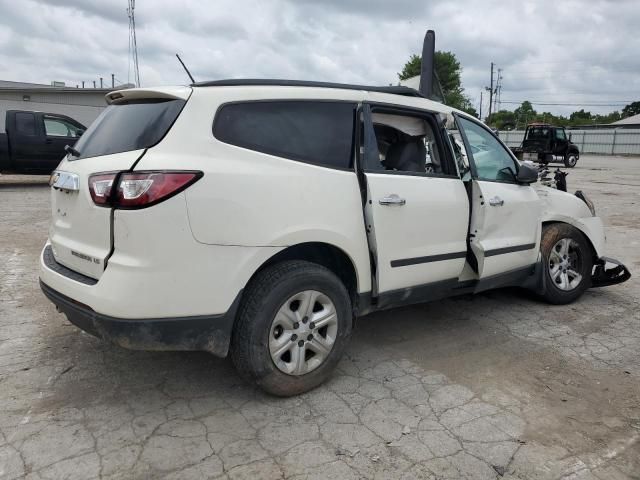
567,263
570,160
292,328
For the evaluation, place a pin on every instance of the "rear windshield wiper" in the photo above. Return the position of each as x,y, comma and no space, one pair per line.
72,151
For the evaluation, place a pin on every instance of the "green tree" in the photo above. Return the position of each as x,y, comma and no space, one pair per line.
411,68
524,114
502,120
609,117
581,118
448,70
631,110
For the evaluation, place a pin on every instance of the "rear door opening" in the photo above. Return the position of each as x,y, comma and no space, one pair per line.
81,229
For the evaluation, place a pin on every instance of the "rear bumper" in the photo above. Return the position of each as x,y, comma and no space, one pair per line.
603,276
210,333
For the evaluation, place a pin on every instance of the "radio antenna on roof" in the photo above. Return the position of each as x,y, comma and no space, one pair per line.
185,68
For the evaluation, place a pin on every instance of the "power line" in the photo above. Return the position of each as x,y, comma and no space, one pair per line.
574,69
553,92
606,102
619,59
619,104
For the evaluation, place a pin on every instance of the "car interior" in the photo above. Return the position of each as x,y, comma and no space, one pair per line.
406,144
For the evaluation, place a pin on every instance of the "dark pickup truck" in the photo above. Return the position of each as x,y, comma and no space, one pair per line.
546,143
34,141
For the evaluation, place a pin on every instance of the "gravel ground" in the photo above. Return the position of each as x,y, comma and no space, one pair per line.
493,386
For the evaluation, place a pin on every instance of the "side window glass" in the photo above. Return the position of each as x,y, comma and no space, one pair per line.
406,144
491,160
55,128
307,131
58,127
26,123
560,134
459,151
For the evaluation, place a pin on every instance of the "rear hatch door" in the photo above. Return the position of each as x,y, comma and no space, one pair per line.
81,231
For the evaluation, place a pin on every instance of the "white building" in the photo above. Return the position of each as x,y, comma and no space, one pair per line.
82,104
630,122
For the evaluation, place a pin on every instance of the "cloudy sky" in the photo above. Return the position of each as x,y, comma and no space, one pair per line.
582,52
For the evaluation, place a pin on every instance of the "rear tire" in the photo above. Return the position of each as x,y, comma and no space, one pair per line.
275,342
570,160
567,263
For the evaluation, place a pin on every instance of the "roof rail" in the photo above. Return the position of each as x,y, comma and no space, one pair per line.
395,90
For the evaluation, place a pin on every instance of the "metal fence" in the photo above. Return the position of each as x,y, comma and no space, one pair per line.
605,142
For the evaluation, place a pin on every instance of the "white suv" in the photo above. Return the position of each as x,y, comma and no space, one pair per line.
261,217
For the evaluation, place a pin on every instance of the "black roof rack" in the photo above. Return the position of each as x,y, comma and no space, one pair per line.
395,90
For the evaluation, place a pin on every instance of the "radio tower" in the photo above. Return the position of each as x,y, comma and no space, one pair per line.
133,45
498,91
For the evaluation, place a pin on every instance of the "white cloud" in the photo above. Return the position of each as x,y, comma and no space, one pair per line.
560,52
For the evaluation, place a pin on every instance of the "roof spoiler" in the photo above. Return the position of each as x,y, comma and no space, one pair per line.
429,81
169,93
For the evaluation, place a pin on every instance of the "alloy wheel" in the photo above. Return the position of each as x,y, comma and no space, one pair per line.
565,264
303,332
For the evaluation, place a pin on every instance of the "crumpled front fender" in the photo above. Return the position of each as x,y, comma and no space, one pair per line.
565,207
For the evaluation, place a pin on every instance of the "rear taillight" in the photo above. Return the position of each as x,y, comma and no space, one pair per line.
100,186
138,189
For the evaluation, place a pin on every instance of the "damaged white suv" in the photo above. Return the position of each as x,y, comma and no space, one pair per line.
260,217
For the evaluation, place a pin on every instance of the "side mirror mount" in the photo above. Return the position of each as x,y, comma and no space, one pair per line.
527,174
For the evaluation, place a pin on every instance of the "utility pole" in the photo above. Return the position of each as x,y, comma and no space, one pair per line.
101,86
480,105
491,91
82,83
113,81
94,84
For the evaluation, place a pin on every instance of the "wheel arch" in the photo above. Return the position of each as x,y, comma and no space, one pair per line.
329,256
594,252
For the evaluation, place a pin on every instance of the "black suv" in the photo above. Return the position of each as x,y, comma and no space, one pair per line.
546,143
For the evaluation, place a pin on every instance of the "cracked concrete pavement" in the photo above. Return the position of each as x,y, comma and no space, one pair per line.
493,386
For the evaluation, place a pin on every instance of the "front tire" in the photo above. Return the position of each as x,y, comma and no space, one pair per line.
570,160
293,326
567,263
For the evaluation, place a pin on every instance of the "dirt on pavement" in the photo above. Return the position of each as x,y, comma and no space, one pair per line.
497,385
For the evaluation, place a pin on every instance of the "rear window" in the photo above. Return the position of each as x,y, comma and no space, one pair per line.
129,126
308,131
26,123
538,133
